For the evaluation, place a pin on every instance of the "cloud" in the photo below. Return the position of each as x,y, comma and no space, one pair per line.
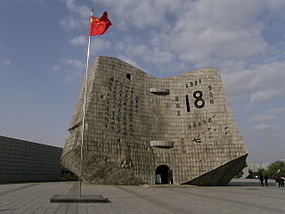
196,31
36,1
74,63
79,41
129,60
210,32
56,68
70,23
5,61
73,68
148,54
78,18
262,127
82,10
268,116
263,82
158,56
277,111
204,33
225,34
261,117
99,44
140,14
266,95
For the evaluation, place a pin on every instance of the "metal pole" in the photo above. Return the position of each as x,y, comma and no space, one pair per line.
84,111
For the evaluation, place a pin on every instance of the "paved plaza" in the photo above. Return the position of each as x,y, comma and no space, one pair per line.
241,196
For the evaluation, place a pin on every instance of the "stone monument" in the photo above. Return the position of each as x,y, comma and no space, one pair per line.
142,129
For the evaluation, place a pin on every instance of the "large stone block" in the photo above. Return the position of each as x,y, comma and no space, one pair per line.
142,129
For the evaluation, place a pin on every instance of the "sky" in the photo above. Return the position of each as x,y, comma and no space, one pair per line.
43,46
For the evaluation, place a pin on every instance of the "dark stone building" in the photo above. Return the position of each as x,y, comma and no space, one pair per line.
23,161
142,129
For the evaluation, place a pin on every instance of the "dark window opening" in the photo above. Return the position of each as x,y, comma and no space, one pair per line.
187,103
129,76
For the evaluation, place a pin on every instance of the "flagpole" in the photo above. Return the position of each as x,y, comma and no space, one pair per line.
84,112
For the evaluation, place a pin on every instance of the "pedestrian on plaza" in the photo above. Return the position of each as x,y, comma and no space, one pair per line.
279,177
278,180
261,178
266,179
282,181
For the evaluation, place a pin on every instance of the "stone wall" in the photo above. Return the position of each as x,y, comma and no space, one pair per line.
136,123
23,161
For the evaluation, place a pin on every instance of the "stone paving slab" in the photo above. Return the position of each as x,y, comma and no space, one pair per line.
239,197
71,198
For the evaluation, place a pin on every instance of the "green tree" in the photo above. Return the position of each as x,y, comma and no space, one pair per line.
261,171
252,174
276,169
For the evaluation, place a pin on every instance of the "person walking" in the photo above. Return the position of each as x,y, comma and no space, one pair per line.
279,180
282,181
266,180
261,178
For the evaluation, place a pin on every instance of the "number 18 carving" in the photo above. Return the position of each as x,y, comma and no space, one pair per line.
199,101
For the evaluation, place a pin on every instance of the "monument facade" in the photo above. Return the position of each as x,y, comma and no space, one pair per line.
142,129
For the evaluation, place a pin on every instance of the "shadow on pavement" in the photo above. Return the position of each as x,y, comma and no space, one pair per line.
249,182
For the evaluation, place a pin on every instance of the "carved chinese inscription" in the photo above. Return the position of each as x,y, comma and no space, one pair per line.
121,104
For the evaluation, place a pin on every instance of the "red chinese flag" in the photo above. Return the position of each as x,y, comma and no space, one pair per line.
98,26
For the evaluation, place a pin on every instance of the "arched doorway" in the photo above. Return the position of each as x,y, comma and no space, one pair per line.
163,175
